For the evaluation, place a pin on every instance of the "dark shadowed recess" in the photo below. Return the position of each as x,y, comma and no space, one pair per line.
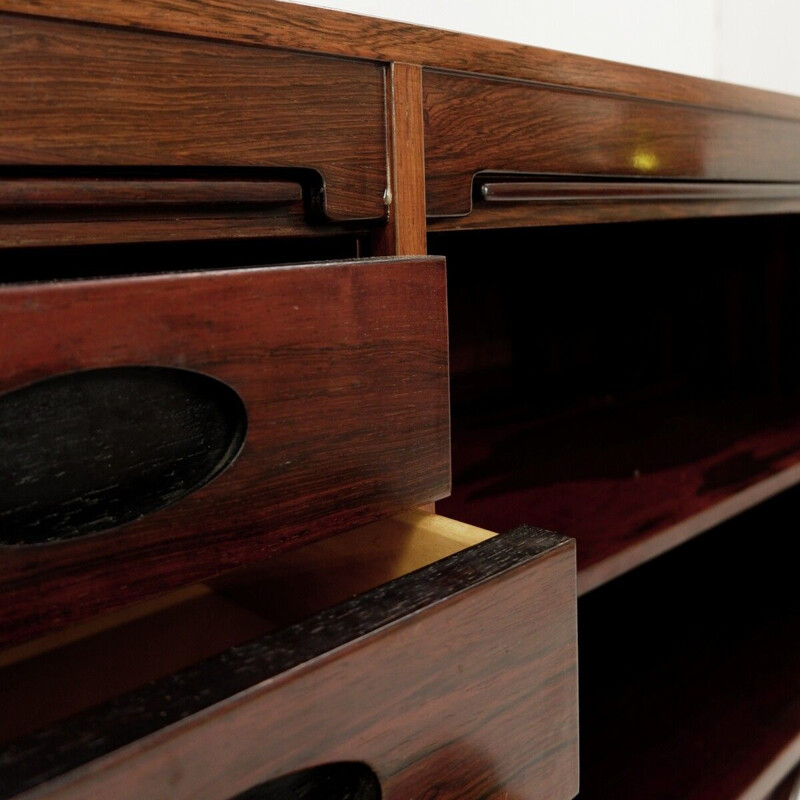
23,265
342,781
690,665
611,382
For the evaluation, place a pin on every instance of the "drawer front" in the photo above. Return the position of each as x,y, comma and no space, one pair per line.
83,96
476,124
158,430
457,681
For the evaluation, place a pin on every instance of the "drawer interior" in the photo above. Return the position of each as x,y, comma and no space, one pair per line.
481,628
629,385
59,675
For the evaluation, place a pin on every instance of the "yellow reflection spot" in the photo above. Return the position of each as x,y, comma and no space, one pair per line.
645,160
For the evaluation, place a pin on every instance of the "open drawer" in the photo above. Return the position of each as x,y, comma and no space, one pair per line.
159,430
421,655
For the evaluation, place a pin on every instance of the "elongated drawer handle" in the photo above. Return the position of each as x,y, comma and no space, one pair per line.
603,191
24,193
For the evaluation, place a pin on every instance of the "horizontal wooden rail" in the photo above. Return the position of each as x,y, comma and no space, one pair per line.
608,191
22,194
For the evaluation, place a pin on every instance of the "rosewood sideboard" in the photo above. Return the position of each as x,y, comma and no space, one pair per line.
376,402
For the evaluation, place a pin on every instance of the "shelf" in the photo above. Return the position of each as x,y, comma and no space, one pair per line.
628,480
629,386
693,690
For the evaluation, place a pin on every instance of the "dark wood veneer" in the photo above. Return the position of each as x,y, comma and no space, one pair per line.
497,191
547,213
75,95
342,368
297,27
628,482
475,124
21,195
458,679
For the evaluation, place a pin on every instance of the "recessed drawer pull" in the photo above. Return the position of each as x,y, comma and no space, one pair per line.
137,390
608,191
91,450
26,194
340,781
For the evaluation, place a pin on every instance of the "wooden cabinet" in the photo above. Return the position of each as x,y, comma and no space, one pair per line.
275,280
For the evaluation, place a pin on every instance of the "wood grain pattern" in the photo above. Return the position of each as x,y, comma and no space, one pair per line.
211,223
486,216
56,683
75,95
475,124
284,25
546,203
405,233
45,680
628,483
614,191
342,368
457,680
24,194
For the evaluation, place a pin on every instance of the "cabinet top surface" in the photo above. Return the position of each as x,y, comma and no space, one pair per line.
287,25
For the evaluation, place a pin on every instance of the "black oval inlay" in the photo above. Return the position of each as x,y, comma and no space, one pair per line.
87,451
340,781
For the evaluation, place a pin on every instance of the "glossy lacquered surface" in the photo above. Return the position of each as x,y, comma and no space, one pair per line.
80,95
298,27
475,124
342,372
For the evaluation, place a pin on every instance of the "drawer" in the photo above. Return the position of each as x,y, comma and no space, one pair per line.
161,429
478,124
417,654
78,98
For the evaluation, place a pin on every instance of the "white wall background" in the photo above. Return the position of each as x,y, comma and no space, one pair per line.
753,42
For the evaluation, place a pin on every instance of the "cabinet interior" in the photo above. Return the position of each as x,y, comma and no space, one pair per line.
74,262
690,667
632,386
626,385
